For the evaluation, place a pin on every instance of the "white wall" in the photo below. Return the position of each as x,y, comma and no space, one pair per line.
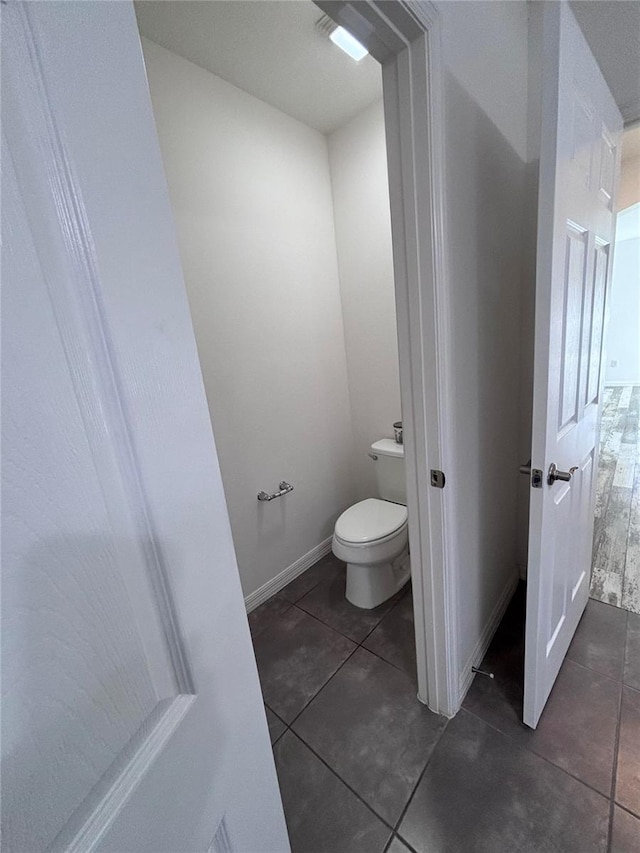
629,188
485,51
251,194
623,331
358,160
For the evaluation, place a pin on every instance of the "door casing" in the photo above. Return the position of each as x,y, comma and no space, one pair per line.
405,38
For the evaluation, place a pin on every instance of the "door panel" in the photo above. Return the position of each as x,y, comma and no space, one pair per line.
572,310
68,606
132,714
579,163
595,328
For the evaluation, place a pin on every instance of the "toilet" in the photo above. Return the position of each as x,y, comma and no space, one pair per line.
371,537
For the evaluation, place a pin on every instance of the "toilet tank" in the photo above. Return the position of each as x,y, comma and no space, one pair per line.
390,477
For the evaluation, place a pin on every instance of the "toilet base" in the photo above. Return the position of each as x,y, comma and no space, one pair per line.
368,586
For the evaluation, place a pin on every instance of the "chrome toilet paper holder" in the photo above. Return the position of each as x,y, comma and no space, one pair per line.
284,489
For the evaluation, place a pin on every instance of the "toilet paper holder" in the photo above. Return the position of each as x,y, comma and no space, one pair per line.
284,489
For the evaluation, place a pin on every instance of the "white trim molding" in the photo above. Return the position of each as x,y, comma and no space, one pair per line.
480,650
260,595
405,38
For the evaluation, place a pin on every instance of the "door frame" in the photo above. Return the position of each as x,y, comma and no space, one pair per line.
405,38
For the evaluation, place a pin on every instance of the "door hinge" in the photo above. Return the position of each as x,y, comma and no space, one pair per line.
437,479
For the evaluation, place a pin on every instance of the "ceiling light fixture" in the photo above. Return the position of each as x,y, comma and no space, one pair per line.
341,37
346,42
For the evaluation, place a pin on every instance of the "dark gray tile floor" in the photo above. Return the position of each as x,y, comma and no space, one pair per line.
369,727
363,766
626,832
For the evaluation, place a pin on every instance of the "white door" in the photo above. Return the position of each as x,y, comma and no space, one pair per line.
132,717
579,163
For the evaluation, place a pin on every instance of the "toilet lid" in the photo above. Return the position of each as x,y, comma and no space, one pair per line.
369,520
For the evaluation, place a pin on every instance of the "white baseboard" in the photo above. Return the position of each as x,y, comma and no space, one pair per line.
259,596
466,675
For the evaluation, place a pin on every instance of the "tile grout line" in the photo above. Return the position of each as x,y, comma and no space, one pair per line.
346,784
627,810
613,606
621,682
608,603
614,773
524,746
365,638
418,781
289,726
597,671
294,604
333,674
394,836
335,772
319,691
392,827
382,618
307,591
396,667
537,754
349,639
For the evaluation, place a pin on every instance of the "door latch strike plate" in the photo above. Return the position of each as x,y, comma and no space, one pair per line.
536,478
437,479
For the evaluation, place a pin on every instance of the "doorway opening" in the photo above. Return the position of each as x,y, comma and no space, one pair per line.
615,575
421,300
285,226
279,185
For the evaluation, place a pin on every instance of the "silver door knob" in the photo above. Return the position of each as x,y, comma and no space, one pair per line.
526,469
555,474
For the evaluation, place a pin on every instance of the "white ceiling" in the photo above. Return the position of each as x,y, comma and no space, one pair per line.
612,28
269,48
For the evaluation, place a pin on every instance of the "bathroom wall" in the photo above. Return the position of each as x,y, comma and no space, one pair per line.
629,189
485,51
251,194
358,160
623,331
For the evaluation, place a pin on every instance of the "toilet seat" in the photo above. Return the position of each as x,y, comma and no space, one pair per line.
372,537
370,521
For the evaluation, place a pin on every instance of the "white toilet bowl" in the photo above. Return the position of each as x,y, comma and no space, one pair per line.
372,539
